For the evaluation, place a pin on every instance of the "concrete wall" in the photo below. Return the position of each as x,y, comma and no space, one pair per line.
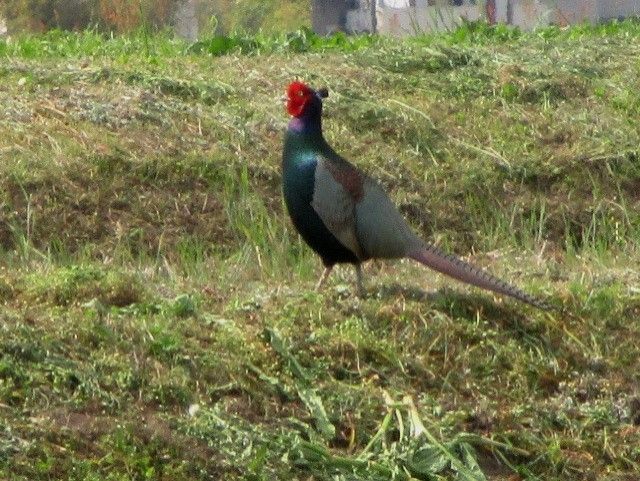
185,20
362,17
392,18
329,16
618,8
408,17
568,12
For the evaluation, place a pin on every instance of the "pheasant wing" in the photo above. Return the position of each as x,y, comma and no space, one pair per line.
381,228
337,189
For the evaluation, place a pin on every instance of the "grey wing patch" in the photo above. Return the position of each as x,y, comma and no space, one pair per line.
336,206
382,231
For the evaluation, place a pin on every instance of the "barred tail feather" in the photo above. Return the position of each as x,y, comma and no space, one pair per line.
452,266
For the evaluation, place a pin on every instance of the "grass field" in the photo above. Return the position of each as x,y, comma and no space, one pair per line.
158,316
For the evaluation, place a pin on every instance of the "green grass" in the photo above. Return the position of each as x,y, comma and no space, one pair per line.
158,318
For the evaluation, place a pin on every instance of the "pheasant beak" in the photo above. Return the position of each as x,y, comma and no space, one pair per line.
323,93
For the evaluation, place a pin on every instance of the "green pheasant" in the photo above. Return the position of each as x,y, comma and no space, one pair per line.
345,216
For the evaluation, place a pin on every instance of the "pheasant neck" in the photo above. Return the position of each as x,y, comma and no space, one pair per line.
309,123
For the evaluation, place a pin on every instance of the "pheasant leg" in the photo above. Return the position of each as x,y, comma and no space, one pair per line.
360,281
323,277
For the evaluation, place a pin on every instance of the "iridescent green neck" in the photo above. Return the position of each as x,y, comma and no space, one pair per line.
302,138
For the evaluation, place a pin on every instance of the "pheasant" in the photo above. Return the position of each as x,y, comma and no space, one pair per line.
345,216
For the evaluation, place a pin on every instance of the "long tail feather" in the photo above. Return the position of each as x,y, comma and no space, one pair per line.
452,266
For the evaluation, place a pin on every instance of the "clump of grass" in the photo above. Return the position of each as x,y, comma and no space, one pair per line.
303,40
82,283
88,43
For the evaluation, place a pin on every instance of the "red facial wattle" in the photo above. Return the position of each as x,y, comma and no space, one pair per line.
298,95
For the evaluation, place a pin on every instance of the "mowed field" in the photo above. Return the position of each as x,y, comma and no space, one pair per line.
158,318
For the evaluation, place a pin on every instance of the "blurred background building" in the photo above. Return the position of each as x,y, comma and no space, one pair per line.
193,19
408,17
